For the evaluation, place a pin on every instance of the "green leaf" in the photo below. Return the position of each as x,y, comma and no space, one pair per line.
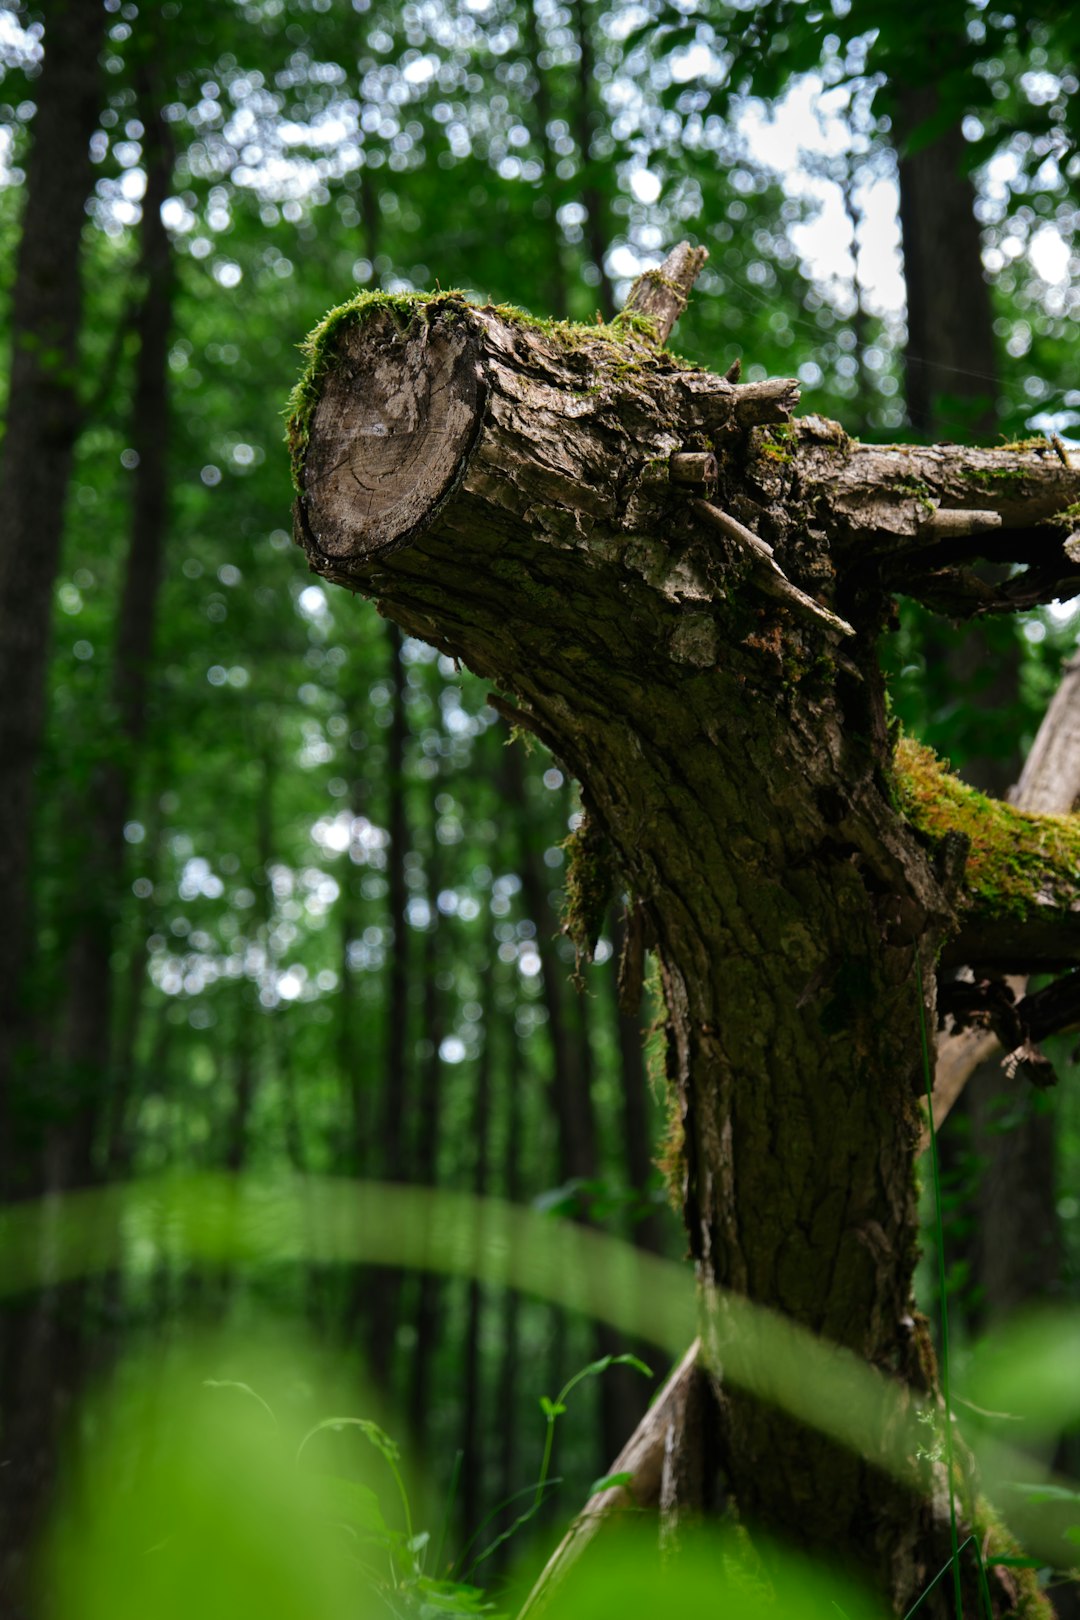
371,1431
627,1360
246,1389
551,1408
348,1502
608,1481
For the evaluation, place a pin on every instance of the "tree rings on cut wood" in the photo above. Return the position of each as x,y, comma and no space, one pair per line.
397,417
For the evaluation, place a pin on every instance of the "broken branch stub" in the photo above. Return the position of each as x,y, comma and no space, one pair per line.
662,295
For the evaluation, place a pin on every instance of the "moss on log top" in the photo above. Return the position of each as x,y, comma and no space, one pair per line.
1020,869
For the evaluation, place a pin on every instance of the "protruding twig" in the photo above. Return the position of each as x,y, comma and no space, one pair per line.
773,400
768,576
663,294
522,719
947,522
693,467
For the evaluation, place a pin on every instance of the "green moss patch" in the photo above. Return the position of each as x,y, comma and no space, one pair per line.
590,881
1014,856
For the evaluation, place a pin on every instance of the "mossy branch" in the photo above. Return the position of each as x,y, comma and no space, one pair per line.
1018,896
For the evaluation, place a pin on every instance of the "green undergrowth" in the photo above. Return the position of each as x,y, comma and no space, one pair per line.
1014,855
632,333
225,1498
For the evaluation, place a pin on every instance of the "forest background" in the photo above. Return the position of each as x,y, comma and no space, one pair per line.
278,894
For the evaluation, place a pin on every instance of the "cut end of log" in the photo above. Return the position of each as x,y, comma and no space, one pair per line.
397,417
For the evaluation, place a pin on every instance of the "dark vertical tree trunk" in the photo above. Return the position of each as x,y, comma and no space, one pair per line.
425,1160
43,419
247,1049
87,1018
46,1349
950,355
584,124
575,1122
384,1288
951,384
475,1451
540,113
507,1380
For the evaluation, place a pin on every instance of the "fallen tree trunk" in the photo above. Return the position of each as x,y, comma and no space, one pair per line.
681,590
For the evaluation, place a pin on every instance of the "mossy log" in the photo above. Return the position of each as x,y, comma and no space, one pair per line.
701,654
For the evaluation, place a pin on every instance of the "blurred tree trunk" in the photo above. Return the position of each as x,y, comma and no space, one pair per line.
951,385
247,1049
475,1451
382,1290
539,112
508,1392
950,354
621,1403
430,1288
584,121
46,1349
574,1119
86,1039
43,420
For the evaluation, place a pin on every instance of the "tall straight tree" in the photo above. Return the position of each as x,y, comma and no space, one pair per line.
88,977
43,420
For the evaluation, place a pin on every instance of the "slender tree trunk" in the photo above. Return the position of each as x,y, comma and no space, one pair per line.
475,1451
87,1019
575,1122
425,1165
48,1336
507,1381
384,1288
951,372
43,419
248,1049
950,355
539,112
584,123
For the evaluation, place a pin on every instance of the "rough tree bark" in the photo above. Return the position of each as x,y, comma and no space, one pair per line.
950,358
43,421
681,590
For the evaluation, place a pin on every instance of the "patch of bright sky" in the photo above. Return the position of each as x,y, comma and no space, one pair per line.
809,123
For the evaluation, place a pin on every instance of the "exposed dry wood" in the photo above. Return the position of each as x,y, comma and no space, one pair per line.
767,575
1050,780
1050,785
643,1459
693,467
